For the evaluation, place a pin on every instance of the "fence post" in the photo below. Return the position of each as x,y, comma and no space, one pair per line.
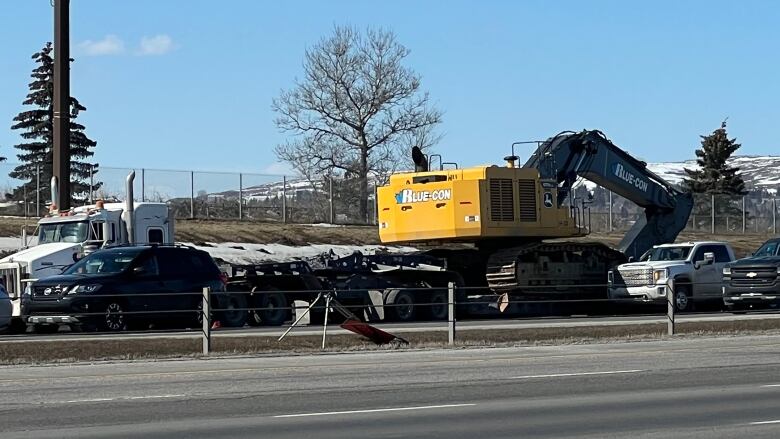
376,204
610,211
91,183
744,215
330,199
284,199
192,194
206,317
451,313
38,191
712,210
240,196
143,184
670,306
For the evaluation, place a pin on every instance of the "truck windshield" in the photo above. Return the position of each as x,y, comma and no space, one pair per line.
667,254
76,231
768,249
103,262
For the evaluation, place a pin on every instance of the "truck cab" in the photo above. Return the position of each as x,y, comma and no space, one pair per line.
695,268
753,281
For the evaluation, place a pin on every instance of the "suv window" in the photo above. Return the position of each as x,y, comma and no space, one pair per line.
173,262
149,265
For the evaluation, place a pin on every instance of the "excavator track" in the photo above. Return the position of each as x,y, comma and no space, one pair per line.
547,270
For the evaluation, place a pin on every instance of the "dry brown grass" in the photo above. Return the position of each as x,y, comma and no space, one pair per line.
32,351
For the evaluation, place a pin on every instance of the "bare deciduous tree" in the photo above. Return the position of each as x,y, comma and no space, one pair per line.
357,110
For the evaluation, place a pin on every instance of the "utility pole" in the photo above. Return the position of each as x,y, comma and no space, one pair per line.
61,165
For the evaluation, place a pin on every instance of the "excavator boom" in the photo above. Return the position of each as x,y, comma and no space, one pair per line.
569,156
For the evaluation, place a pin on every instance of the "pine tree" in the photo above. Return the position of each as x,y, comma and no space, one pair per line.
714,176
38,131
716,182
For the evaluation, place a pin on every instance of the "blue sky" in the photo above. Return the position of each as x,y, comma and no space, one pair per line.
188,84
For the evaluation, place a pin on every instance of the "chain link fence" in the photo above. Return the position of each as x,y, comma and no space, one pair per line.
293,199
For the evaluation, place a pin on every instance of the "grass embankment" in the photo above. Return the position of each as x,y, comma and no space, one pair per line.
60,351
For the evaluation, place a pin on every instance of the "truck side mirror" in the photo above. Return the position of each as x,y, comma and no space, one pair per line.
709,258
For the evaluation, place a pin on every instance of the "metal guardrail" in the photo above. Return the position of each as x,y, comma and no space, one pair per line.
213,304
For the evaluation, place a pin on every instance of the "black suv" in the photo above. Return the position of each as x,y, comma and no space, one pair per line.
754,280
118,287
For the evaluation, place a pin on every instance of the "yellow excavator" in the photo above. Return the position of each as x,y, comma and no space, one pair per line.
494,225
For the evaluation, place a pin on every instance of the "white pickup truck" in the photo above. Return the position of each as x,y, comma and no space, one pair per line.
695,267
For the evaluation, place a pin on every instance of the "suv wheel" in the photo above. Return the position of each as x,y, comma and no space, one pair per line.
114,318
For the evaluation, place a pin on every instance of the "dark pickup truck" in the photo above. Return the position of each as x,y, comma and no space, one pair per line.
753,281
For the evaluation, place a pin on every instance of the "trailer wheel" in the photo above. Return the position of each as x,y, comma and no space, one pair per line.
400,306
439,309
275,309
234,314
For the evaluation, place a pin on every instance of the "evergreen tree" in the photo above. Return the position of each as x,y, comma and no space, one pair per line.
714,176
716,181
38,131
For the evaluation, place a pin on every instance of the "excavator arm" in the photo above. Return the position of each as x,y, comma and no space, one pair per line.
591,155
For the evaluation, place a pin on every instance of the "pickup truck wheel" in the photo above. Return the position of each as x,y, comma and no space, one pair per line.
114,318
682,299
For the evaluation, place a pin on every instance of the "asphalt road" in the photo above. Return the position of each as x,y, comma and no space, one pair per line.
401,328
686,388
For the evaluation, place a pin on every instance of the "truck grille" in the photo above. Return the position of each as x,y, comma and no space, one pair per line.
502,205
47,293
753,277
633,277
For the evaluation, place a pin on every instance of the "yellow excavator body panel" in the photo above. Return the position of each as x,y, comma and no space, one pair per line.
472,204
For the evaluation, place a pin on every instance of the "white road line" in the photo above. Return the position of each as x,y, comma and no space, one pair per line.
771,385
576,374
776,421
121,398
393,409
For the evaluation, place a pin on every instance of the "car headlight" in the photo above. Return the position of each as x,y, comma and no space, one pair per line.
727,271
83,289
660,274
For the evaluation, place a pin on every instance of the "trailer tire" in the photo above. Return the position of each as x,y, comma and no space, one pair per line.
234,314
400,306
276,309
439,308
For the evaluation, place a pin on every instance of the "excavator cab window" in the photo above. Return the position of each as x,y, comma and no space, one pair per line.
429,178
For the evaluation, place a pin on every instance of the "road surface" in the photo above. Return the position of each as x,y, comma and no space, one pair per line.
685,388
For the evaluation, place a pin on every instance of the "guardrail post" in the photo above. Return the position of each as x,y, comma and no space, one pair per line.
451,313
206,317
670,306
